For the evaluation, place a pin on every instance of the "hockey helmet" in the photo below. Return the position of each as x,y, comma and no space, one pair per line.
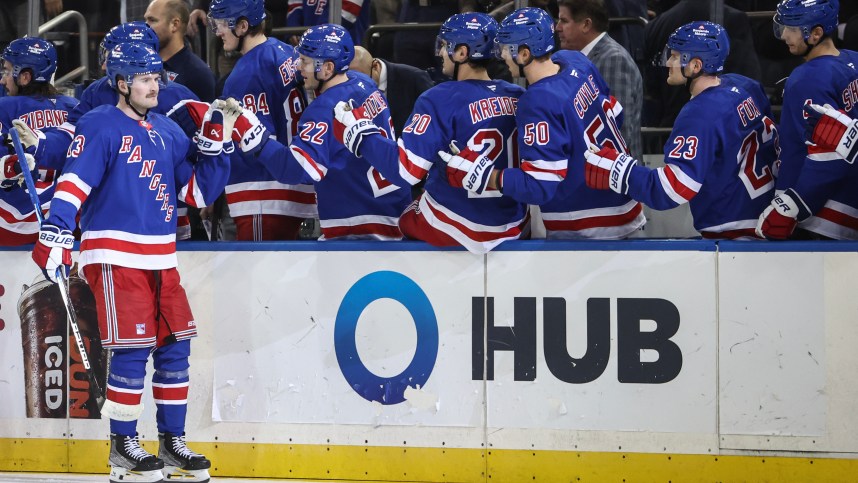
328,42
529,27
132,59
806,14
227,13
706,41
32,53
128,32
477,31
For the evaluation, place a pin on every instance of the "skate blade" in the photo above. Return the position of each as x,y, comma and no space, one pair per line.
122,475
174,473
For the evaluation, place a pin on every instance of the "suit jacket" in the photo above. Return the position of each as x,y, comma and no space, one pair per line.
741,60
404,85
624,79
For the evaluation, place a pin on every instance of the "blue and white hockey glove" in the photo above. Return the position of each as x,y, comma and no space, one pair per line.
829,130
53,251
11,167
608,169
210,139
250,134
467,168
779,219
351,125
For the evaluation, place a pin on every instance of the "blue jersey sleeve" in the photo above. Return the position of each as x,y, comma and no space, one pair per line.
407,162
688,156
544,142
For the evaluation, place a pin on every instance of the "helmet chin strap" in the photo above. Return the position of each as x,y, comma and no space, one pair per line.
127,97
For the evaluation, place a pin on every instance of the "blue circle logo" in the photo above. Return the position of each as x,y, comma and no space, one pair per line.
385,285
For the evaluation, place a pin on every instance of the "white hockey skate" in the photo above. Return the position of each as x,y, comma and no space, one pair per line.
180,463
129,463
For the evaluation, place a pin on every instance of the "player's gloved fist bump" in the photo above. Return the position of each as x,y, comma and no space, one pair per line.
780,218
189,114
29,137
352,124
232,110
832,130
249,132
53,251
210,137
467,168
12,169
608,169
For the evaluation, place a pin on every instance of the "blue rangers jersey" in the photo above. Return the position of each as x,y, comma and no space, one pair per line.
473,113
719,158
100,93
355,200
355,15
834,204
558,118
126,177
18,222
266,81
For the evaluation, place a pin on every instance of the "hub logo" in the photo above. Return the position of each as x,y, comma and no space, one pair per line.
398,287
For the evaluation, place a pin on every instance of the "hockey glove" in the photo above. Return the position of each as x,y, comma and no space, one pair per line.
29,138
250,134
189,114
12,169
779,219
467,168
351,125
832,130
210,138
53,251
607,169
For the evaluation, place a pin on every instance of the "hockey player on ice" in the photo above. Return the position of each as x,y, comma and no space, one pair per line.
127,167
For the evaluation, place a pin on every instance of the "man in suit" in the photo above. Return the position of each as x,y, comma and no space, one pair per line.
583,25
741,60
401,84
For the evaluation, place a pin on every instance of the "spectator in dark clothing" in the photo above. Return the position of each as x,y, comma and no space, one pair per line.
169,19
630,36
850,34
664,101
401,84
417,47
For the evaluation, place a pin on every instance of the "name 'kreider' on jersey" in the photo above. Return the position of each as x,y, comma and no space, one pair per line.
473,113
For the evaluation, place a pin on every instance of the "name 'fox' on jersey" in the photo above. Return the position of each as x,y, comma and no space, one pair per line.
558,118
835,209
474,113
18,223
266,81
719,159
355,200
117,165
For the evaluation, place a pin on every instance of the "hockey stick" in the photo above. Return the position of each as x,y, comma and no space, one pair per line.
62,281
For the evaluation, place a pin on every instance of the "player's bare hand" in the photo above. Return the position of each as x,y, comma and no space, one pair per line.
197,15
